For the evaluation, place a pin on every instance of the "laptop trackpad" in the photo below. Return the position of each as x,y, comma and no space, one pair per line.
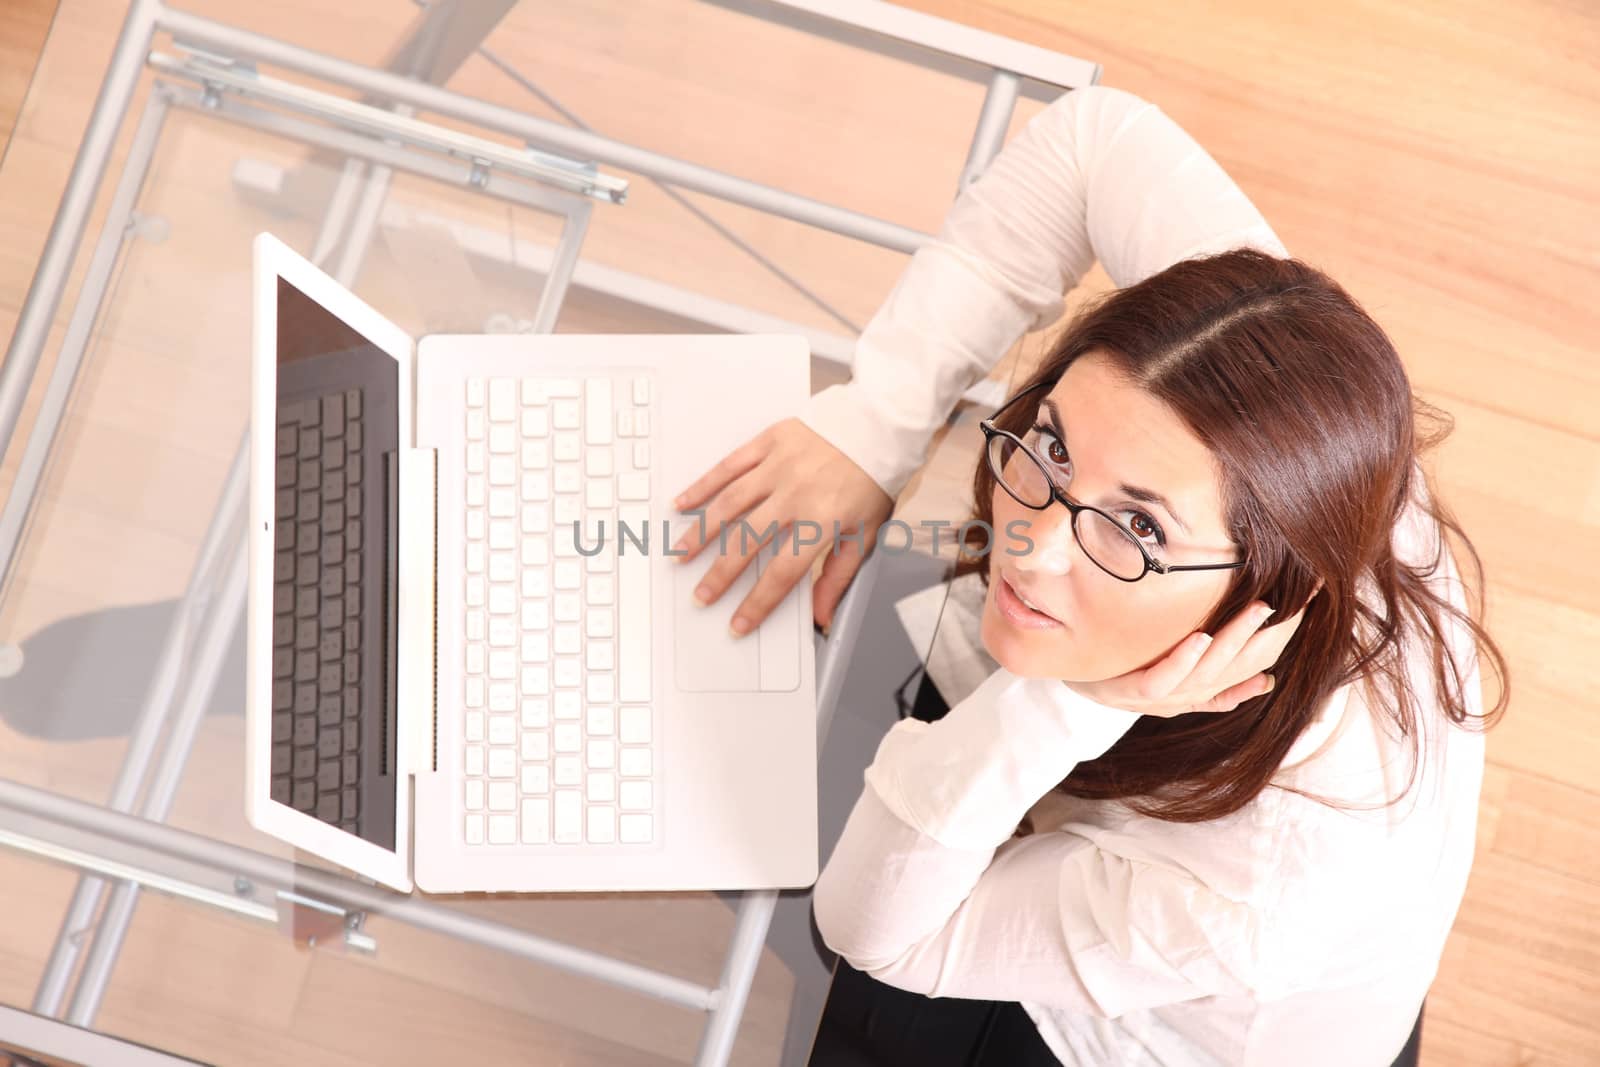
707,658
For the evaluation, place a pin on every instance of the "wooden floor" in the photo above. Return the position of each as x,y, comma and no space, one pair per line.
1439,158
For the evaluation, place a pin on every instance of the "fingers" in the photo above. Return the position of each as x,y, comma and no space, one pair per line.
1233,696
731,503
837,572
1213,670
787,566
734,464
742,546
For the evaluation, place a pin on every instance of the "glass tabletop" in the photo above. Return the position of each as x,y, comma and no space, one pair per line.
113,614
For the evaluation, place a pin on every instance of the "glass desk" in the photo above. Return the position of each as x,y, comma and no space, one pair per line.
123,412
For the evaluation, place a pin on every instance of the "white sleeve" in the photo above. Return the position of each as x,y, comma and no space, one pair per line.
926,891
1099,173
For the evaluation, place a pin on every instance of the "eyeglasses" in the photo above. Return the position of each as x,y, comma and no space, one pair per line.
1109,544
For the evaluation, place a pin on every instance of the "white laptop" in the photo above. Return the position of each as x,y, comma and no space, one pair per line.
450,684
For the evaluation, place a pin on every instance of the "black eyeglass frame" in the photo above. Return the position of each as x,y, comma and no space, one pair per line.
1059,495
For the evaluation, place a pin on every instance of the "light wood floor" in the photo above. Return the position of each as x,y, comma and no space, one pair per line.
1439,158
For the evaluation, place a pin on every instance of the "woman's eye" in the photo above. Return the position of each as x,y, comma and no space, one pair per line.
1144,526
1052,448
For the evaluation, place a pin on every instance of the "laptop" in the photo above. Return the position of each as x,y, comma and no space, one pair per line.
472,664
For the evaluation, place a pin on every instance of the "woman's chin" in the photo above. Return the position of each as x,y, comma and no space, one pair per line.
1019,652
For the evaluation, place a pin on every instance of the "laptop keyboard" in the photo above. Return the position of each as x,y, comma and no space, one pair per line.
558,722
316,621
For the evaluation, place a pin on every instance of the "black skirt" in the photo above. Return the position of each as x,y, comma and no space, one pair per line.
868,1023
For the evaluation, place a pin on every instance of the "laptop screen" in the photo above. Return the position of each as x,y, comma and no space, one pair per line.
333,574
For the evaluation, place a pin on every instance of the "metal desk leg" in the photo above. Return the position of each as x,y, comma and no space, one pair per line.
738,973
50,279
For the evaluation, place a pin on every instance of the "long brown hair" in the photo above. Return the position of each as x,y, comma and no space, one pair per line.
1303,401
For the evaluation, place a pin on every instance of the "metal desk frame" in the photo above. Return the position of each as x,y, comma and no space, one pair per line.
126,841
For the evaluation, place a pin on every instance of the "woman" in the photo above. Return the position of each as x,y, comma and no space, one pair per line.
1215,865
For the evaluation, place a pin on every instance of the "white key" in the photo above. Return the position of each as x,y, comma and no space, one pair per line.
566,448
502,600
474,829
502,730
567,575
567,771
568,739
600,719
634,829
632,485
535,455
475,554
634,796
535,518
502,697
600,788
602,753
502,535
597,461
602,825
602,562
601,688
535,551
597,493
536,647
502,763
502,471
565,511
535,778
567,478
535,423
502,399
502,567
641,455
602,590
536,486
634,762
535,713
474,761
474,794
568,813
475,625
641,423
633,620
641,391
476,520
564,415
566,608
625,423
599,656
535,613
475,457
535,681
475,425
475,688
562,387
475,392
502,503
502,632
535,747
476,654
599,623
474,726
502,829
634,725
475,490
502,796
502,439
536,821
567,673
597,416
567,705
567,641
534,391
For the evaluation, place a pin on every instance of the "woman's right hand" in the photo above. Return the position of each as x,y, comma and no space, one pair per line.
786,473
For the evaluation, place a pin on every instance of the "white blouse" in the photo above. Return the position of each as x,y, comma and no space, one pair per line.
1290,932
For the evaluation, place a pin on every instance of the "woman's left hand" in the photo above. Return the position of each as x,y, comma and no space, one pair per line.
1202,673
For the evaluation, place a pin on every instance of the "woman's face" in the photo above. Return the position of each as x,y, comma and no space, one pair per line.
1089,625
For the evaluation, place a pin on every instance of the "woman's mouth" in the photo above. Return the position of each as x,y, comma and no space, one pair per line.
1018,612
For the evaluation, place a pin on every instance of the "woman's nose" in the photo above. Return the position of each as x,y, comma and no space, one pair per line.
1052,544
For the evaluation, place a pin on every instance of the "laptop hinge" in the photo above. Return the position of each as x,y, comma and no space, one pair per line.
417,669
